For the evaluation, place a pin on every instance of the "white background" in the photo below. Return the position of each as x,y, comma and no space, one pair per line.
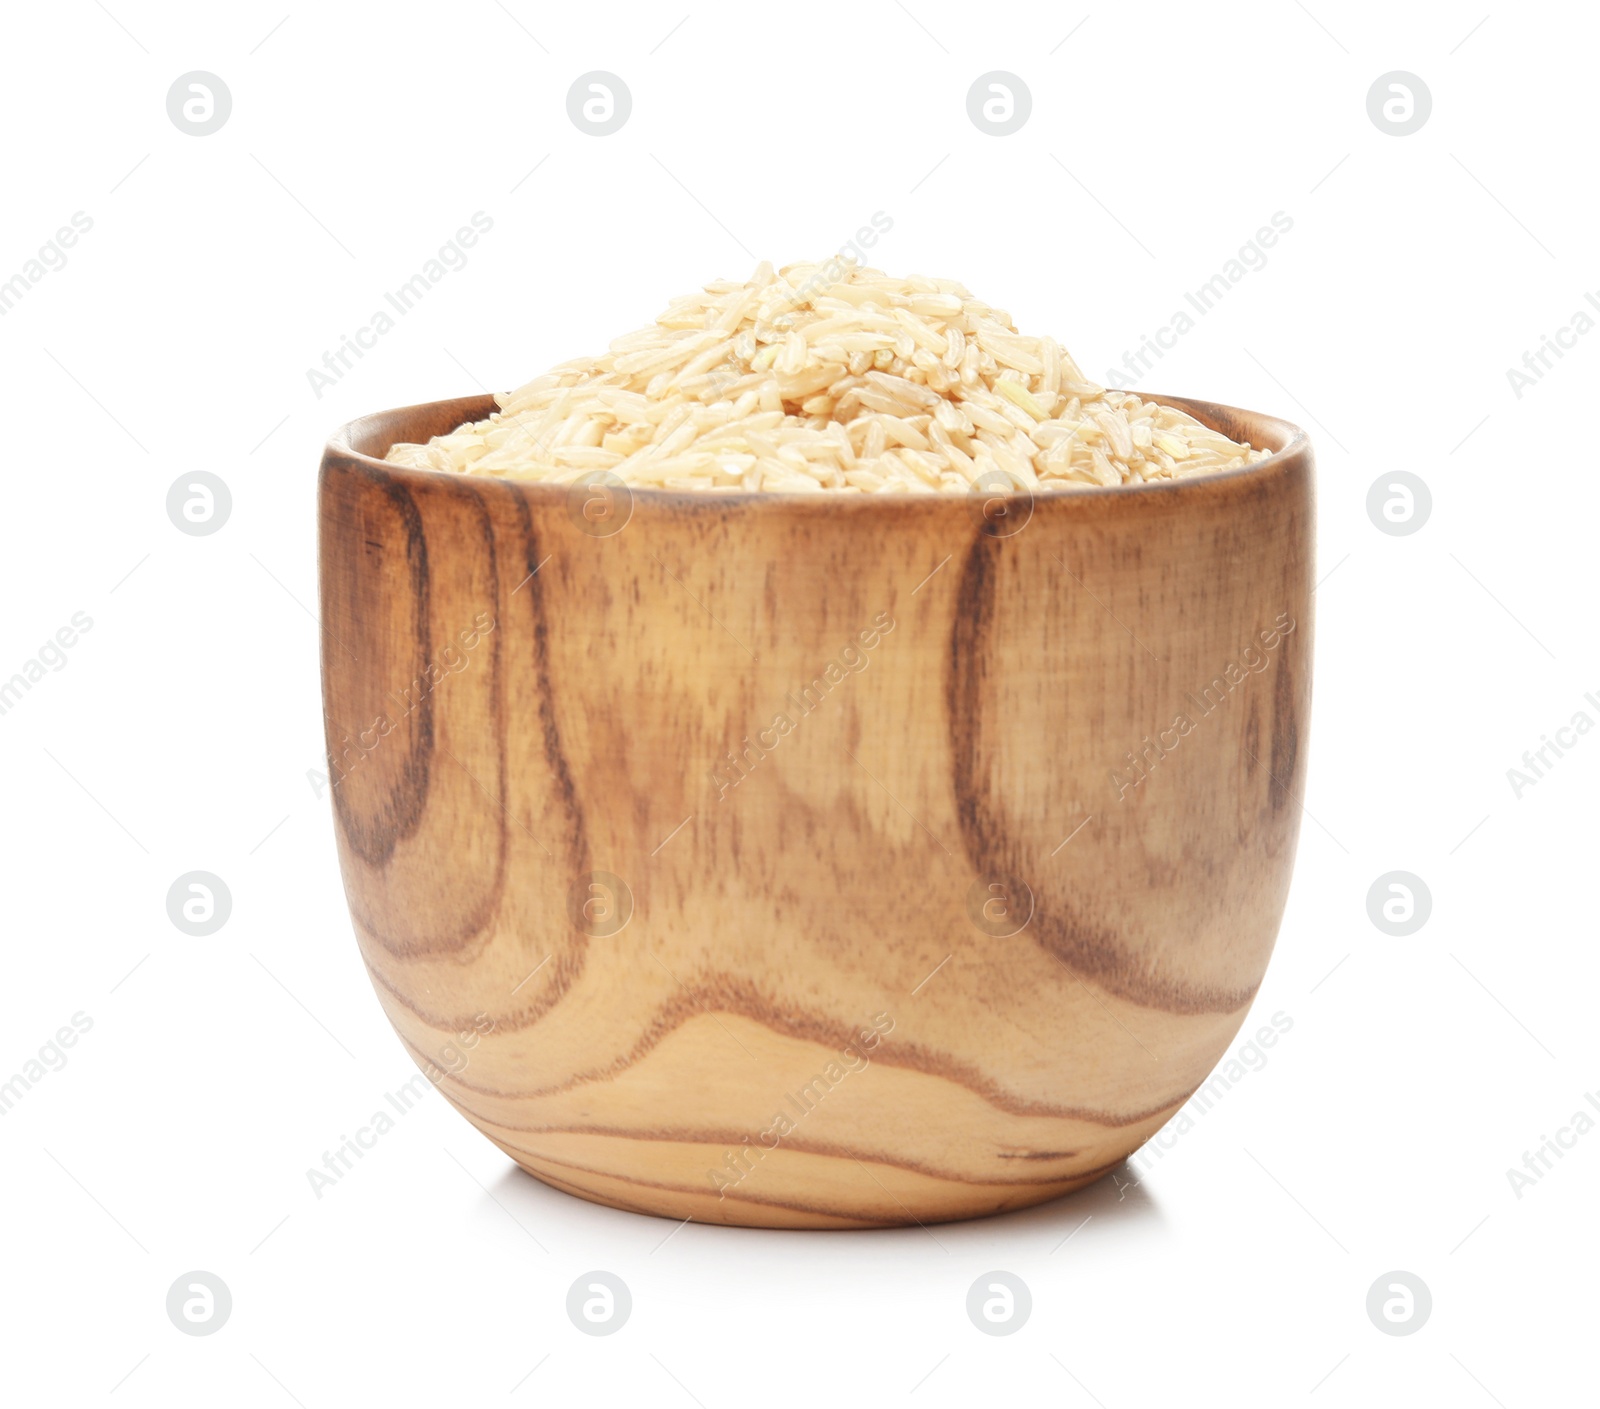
180,732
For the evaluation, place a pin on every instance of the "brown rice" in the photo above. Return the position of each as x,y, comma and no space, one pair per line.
830,377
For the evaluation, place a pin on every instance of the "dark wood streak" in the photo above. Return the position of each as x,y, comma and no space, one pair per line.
402,807
1285,735
741,1195
400,810
566,1186
576,842
477,922
724,994
1089,949
964,681
545,1166
1095,954
570,957
723,1140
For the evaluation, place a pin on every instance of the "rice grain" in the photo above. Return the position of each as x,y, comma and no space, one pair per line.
835,378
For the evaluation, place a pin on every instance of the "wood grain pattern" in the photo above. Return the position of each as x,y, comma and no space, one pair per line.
814,1015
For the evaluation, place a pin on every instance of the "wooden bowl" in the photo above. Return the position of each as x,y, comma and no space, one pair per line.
813,861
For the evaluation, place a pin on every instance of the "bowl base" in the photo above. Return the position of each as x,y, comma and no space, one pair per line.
858,1196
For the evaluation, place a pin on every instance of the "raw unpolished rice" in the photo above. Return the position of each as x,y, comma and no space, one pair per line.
830,377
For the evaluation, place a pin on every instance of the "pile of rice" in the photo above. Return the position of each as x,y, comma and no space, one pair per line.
829,377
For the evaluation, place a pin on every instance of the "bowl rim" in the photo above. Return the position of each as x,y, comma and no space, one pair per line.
1296,447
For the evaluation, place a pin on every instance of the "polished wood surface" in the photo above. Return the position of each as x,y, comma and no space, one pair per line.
947,854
